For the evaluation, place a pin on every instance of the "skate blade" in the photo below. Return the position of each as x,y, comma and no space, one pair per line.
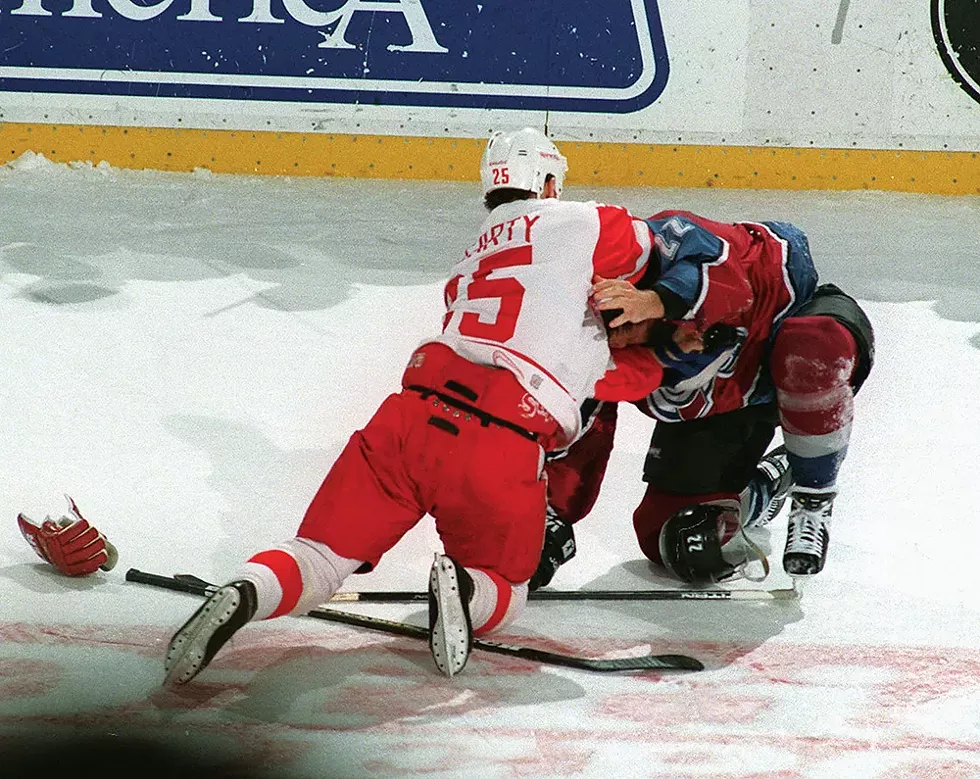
185,654
449,641
800,582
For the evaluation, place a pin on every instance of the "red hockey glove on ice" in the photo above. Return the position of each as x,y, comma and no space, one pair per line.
71,544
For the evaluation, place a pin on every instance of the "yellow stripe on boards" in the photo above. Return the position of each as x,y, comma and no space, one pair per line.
457,159
244,151
760,167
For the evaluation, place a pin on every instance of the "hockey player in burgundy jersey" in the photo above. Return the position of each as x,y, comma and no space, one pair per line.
748,342
464,439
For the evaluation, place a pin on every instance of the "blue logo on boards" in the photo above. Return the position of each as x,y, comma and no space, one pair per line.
565,55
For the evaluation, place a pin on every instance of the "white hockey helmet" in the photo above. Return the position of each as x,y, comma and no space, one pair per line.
521,159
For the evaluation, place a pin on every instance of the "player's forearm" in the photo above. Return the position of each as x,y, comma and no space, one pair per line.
674,306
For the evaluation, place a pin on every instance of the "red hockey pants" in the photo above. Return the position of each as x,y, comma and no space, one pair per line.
482,483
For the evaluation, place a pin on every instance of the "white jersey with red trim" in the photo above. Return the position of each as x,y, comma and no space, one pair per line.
520,298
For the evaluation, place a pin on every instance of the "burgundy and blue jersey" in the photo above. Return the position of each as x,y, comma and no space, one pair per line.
748,276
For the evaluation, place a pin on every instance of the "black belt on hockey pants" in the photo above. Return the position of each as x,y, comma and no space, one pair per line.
485,419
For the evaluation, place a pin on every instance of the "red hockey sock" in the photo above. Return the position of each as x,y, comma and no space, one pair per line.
812,362
575,477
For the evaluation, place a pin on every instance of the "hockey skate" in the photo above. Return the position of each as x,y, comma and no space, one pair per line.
197,642
771,485
450,629
808,535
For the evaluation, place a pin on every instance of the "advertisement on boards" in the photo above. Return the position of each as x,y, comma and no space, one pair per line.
956,28
570,55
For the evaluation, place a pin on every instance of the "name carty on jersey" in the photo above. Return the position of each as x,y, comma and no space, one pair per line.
499,235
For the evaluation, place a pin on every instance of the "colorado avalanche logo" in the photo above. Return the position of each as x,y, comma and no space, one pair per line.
672,405
692,397
956,28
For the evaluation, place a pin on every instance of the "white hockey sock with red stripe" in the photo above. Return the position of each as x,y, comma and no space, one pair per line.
495,601
295,577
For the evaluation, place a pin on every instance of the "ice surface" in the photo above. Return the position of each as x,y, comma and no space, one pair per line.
186,355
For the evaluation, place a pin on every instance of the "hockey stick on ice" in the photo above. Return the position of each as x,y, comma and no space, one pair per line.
183,582
663,662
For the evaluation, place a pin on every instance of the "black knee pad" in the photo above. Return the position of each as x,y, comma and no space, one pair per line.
830,300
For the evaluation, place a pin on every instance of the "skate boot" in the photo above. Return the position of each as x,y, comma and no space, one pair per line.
197,642
808,535
450,629
770,486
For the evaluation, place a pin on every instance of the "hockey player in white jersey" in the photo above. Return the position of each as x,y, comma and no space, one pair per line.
523,345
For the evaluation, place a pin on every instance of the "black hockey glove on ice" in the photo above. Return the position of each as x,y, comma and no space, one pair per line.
559,548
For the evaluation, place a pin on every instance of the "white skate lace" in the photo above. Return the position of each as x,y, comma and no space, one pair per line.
804,534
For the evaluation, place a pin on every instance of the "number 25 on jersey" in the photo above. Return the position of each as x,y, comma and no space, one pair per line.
506,290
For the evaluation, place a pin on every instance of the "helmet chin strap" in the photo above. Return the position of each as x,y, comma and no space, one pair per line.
749,552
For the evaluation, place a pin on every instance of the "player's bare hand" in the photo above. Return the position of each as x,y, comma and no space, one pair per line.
636,305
